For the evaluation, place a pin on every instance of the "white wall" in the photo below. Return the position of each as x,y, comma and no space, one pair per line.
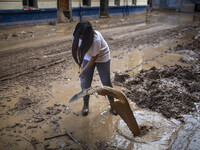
75,3
10,4
47,4
128,2
17,4
141,2
96,3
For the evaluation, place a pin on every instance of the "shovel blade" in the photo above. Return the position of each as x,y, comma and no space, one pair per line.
78,95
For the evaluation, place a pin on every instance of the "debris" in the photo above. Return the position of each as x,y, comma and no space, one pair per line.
71,138
120,77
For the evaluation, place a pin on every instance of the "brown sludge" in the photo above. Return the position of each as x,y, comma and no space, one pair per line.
121,106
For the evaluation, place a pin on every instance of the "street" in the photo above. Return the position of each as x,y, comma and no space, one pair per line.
161,56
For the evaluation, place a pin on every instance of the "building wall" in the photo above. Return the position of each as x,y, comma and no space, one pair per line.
76,3
13,13
141,2
17,4
181,5
10,4
96,3
125,7
47,4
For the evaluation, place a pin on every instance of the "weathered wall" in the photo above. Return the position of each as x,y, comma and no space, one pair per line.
141,2
125,7
76,3
47,3
10,4
13,13
17,4
182,5
96,3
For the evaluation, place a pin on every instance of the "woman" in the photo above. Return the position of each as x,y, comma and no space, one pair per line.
90,50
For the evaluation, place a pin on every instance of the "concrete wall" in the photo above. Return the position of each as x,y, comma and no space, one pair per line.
141,2
96,3
156,4
182,5
125,7
10,4
174,3
76,3
17,4
187,6
47,3
13,13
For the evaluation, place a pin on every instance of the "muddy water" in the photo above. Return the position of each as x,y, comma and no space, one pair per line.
99,125
152,56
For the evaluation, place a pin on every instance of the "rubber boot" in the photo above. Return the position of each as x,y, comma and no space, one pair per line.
111,100
85,109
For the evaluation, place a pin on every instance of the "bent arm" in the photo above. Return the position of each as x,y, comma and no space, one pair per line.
89,64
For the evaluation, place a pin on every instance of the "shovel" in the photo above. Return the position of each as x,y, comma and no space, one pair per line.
78,95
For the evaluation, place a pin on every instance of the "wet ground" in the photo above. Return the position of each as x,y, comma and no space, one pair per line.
38,77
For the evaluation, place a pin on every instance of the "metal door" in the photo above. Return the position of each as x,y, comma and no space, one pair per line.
103,7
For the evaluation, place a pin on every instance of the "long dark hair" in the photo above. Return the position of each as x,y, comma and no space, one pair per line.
85,30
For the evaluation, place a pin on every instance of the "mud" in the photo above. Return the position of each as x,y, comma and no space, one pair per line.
170,90
120,105
38,77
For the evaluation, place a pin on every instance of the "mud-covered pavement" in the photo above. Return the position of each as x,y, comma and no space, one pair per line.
38,77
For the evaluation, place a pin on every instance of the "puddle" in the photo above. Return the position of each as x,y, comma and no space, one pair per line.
100,125
146,58
159,133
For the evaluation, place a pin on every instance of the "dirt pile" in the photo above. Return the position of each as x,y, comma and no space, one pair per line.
191,49
170,90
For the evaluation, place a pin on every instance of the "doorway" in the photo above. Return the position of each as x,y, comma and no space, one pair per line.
104,8
64,4
64,10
